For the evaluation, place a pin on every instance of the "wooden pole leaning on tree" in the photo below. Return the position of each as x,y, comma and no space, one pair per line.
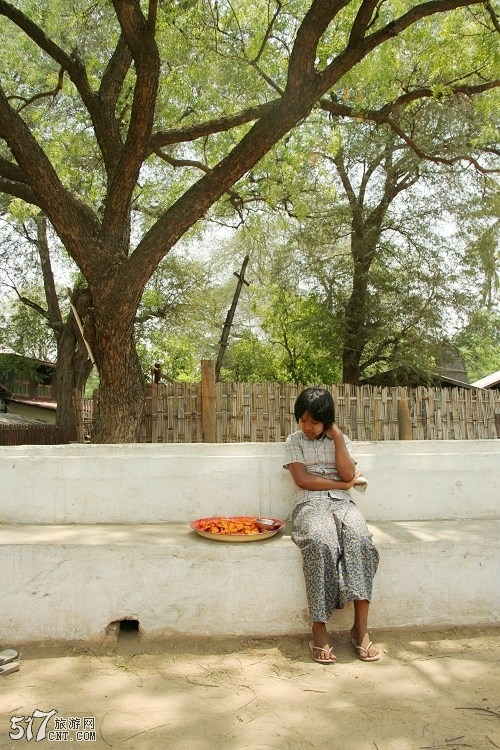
404,419
208,402
80,327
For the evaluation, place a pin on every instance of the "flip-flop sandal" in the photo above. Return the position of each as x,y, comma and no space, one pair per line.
10,654
12,666
330,656
362,650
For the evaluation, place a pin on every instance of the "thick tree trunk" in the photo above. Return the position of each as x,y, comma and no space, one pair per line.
353,343
73,369
356,311
73,362
121,399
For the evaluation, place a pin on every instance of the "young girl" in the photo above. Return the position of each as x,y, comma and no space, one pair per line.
339,557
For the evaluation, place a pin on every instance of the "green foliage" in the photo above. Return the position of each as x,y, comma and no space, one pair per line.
174,323
18,368
417,287
480,231
175,354
217,59
26,332
479,344
250,360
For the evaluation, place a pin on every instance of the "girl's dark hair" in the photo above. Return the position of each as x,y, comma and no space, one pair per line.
319,403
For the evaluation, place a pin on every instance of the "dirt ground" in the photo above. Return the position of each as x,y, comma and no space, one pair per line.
431,690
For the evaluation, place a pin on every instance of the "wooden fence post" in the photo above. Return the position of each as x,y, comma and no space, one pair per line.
404,420
154,412
78,406
208,406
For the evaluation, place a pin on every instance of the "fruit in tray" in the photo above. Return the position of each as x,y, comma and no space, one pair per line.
230,526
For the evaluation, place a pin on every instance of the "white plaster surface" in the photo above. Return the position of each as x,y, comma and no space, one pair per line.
71,582
177,482
91,535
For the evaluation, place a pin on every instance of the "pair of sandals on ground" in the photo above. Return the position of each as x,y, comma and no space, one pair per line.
365,652
9,661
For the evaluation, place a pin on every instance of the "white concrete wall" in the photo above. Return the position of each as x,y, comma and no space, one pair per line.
179,482
72,582
90,535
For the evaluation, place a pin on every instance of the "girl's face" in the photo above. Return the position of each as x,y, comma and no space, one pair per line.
310,426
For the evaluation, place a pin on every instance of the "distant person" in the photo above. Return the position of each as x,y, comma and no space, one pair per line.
338,554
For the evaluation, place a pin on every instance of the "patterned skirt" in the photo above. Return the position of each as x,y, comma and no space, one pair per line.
338,554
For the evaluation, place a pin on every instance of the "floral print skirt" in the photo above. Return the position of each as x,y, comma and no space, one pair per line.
338,554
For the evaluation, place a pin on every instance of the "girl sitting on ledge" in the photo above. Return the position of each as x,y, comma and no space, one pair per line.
339,557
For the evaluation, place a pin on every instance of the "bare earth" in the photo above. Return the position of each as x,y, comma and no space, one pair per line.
432,690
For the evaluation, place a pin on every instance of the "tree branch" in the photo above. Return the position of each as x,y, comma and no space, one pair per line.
71,218
362,20
11,171
53,308
255,61
492,15
301,67
267,33
382,116
106,126
139,34
19,190
437,159
218,125
182,162
30,303
115,73
236,200
71,63
42,95
355,52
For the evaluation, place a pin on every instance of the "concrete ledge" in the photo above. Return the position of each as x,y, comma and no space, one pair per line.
74,580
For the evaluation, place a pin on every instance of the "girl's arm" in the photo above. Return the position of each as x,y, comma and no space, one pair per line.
344,462
307,481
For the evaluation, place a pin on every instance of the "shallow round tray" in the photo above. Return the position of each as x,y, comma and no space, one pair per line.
195,525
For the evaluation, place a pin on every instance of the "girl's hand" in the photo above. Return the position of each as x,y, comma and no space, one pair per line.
334,431
349,485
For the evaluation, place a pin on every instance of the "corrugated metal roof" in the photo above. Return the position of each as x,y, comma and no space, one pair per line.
42,403
18,419
488,381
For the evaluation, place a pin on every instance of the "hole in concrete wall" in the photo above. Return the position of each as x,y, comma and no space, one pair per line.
128,628
125,630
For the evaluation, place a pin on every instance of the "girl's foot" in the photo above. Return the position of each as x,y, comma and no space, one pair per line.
320,648
323,655
365,649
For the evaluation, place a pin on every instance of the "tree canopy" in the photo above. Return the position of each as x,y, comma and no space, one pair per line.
125,123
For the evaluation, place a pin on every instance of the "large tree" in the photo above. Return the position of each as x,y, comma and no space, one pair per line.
141,103
404,269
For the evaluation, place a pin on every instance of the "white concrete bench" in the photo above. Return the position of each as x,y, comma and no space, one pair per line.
94,535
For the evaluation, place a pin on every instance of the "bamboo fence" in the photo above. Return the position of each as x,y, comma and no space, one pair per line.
36,434
264,412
